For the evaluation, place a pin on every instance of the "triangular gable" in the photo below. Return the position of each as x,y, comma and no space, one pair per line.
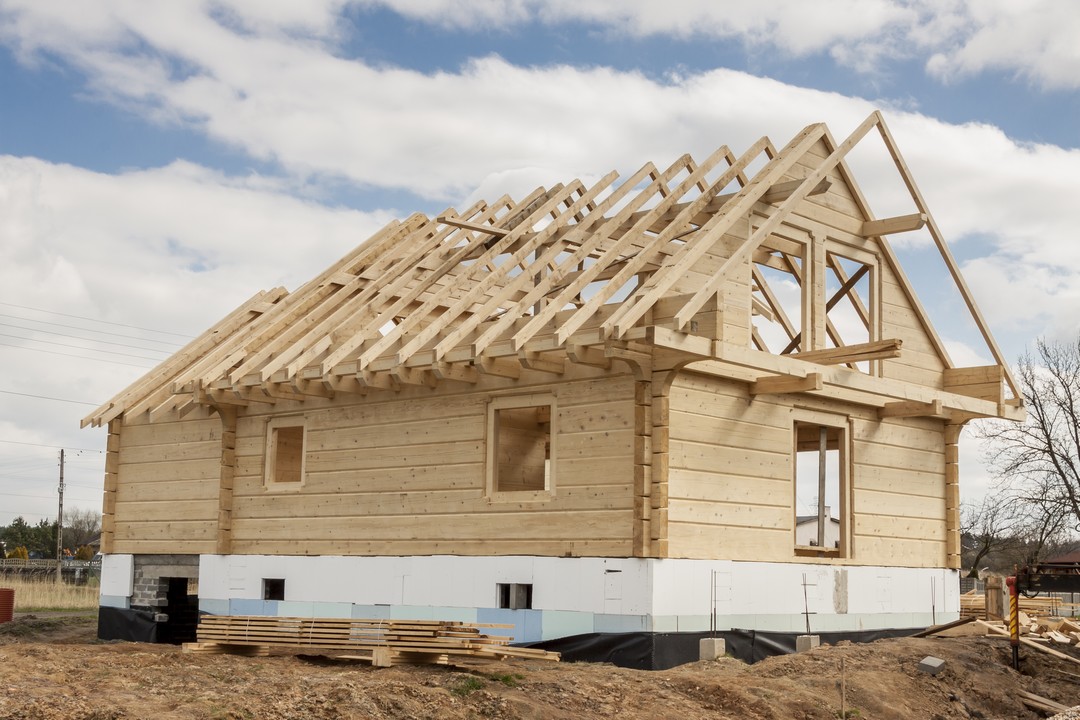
577,274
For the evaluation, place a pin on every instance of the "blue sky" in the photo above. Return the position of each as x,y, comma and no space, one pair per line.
160,162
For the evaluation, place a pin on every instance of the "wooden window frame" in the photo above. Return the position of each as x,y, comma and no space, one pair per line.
270,456
845,446
509,402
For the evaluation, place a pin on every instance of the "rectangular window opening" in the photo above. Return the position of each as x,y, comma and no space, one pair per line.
819,483
285,440
273,588
514,596
522,448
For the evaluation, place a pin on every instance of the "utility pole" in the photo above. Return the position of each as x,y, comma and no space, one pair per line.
60,526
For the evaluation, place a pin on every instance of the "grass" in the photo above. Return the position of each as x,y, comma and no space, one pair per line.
40,594
466,686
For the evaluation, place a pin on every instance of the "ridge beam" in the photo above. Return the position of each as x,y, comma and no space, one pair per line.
877,350
783,384
890,226
783,190
913,408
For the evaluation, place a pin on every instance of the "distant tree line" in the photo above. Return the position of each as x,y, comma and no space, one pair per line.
81,528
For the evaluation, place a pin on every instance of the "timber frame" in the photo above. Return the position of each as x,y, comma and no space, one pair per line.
660,274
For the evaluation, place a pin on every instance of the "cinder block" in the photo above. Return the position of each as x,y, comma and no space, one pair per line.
807,642
711,648
932,665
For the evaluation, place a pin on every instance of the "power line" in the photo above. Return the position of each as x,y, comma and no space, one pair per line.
54,447
77,337
106,322
80,357
80,347
85,329
42,397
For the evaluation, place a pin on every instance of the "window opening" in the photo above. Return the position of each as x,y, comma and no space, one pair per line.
522,448
514,596
285,452
818,486
273,588
776,297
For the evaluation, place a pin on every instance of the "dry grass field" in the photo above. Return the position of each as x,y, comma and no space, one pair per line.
41,594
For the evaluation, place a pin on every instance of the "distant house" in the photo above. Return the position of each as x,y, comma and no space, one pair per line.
589,410
806,531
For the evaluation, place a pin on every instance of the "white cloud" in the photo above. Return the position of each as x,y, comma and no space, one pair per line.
179,246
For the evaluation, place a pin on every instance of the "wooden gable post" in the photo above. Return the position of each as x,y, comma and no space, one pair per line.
227,475
108,500
952,495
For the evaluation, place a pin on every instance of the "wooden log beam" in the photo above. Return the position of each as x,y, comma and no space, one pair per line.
496,367
455,371
458,222
783,190
585,355
912,408
780,384
536,361
380,380
890,226
877,350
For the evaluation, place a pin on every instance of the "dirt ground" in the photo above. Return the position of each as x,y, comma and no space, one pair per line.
52,667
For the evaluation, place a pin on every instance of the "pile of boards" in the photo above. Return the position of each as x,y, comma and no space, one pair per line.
381,642
973,604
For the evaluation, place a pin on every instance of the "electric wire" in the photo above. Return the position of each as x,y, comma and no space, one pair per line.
106,322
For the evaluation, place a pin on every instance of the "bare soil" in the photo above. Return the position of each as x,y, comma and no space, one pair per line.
52,667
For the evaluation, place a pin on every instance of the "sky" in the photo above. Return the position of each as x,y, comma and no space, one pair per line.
161,162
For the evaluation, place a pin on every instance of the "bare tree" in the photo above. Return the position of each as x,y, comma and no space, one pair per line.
81,527
1037,462
987,529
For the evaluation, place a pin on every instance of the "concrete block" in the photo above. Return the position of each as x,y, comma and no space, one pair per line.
807,642
932,665
711,648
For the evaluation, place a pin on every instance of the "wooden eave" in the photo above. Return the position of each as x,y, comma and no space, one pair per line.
536,283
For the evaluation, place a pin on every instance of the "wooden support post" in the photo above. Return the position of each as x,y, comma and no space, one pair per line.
952,495
228,415
658,496
643,470
108,501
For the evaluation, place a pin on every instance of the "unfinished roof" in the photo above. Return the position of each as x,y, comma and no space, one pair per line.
572,273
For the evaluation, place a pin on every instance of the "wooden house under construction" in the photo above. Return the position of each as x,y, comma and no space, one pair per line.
595,409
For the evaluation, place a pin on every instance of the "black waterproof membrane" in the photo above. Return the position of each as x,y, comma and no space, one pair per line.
124,624
660,651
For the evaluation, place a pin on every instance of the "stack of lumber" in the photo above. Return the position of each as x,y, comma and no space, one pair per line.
973,604
381,642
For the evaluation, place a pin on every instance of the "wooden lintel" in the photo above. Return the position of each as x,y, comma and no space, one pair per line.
498,368
913,408
782,384
877,350
458,222
585,355
781,191
535,361
455,371
898,224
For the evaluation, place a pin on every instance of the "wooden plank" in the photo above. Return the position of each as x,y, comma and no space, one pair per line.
782,384
893,225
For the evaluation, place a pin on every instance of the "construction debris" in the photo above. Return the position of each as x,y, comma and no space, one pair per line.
931,665
381,642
